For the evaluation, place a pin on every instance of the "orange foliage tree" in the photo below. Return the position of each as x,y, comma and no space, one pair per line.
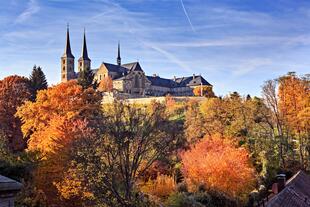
14,91
204,91
53,107
106,84
60,115
216,163
294,105
294,99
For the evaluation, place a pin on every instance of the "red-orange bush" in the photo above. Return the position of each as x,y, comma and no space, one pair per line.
218,164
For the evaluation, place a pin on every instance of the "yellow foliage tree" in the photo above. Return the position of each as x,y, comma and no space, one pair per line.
162,186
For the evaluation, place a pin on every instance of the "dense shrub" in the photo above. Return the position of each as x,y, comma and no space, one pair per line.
181,200
162,186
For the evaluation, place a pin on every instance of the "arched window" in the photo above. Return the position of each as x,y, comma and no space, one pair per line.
136,84
64,68
142,82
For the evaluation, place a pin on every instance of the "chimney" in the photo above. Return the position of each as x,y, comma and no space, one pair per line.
194,76
281,180
174,78
154,75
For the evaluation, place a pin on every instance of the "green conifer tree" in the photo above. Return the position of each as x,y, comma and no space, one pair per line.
37,80
86,79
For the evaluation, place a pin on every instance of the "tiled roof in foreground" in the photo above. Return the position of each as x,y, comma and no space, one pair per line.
7,184
295,194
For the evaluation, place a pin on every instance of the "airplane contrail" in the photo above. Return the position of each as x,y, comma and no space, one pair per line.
187,16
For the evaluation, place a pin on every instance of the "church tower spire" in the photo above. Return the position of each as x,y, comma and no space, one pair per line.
119,59
84,60
67,61
68,52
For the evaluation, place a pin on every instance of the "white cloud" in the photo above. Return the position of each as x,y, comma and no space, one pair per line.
32,8
169,56
250,65
242,41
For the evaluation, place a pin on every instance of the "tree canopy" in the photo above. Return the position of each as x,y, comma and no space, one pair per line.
218,163
37,80
14,91
86,79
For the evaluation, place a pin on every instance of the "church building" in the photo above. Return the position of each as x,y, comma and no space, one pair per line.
128,78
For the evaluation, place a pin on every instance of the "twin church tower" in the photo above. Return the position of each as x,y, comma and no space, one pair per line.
84,62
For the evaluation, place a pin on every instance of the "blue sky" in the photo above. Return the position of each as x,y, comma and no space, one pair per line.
235,44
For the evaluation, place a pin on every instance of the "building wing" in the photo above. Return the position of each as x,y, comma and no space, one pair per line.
162,82
192,81
135,66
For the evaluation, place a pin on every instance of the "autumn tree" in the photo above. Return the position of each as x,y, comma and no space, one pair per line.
277,122
14,91
194,129
249,120
294,105
109,165
216,116
218,164
229,116
37,80
106,84
59,115
54,107
206,91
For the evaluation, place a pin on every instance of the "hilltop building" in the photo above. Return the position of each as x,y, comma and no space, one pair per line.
128,78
